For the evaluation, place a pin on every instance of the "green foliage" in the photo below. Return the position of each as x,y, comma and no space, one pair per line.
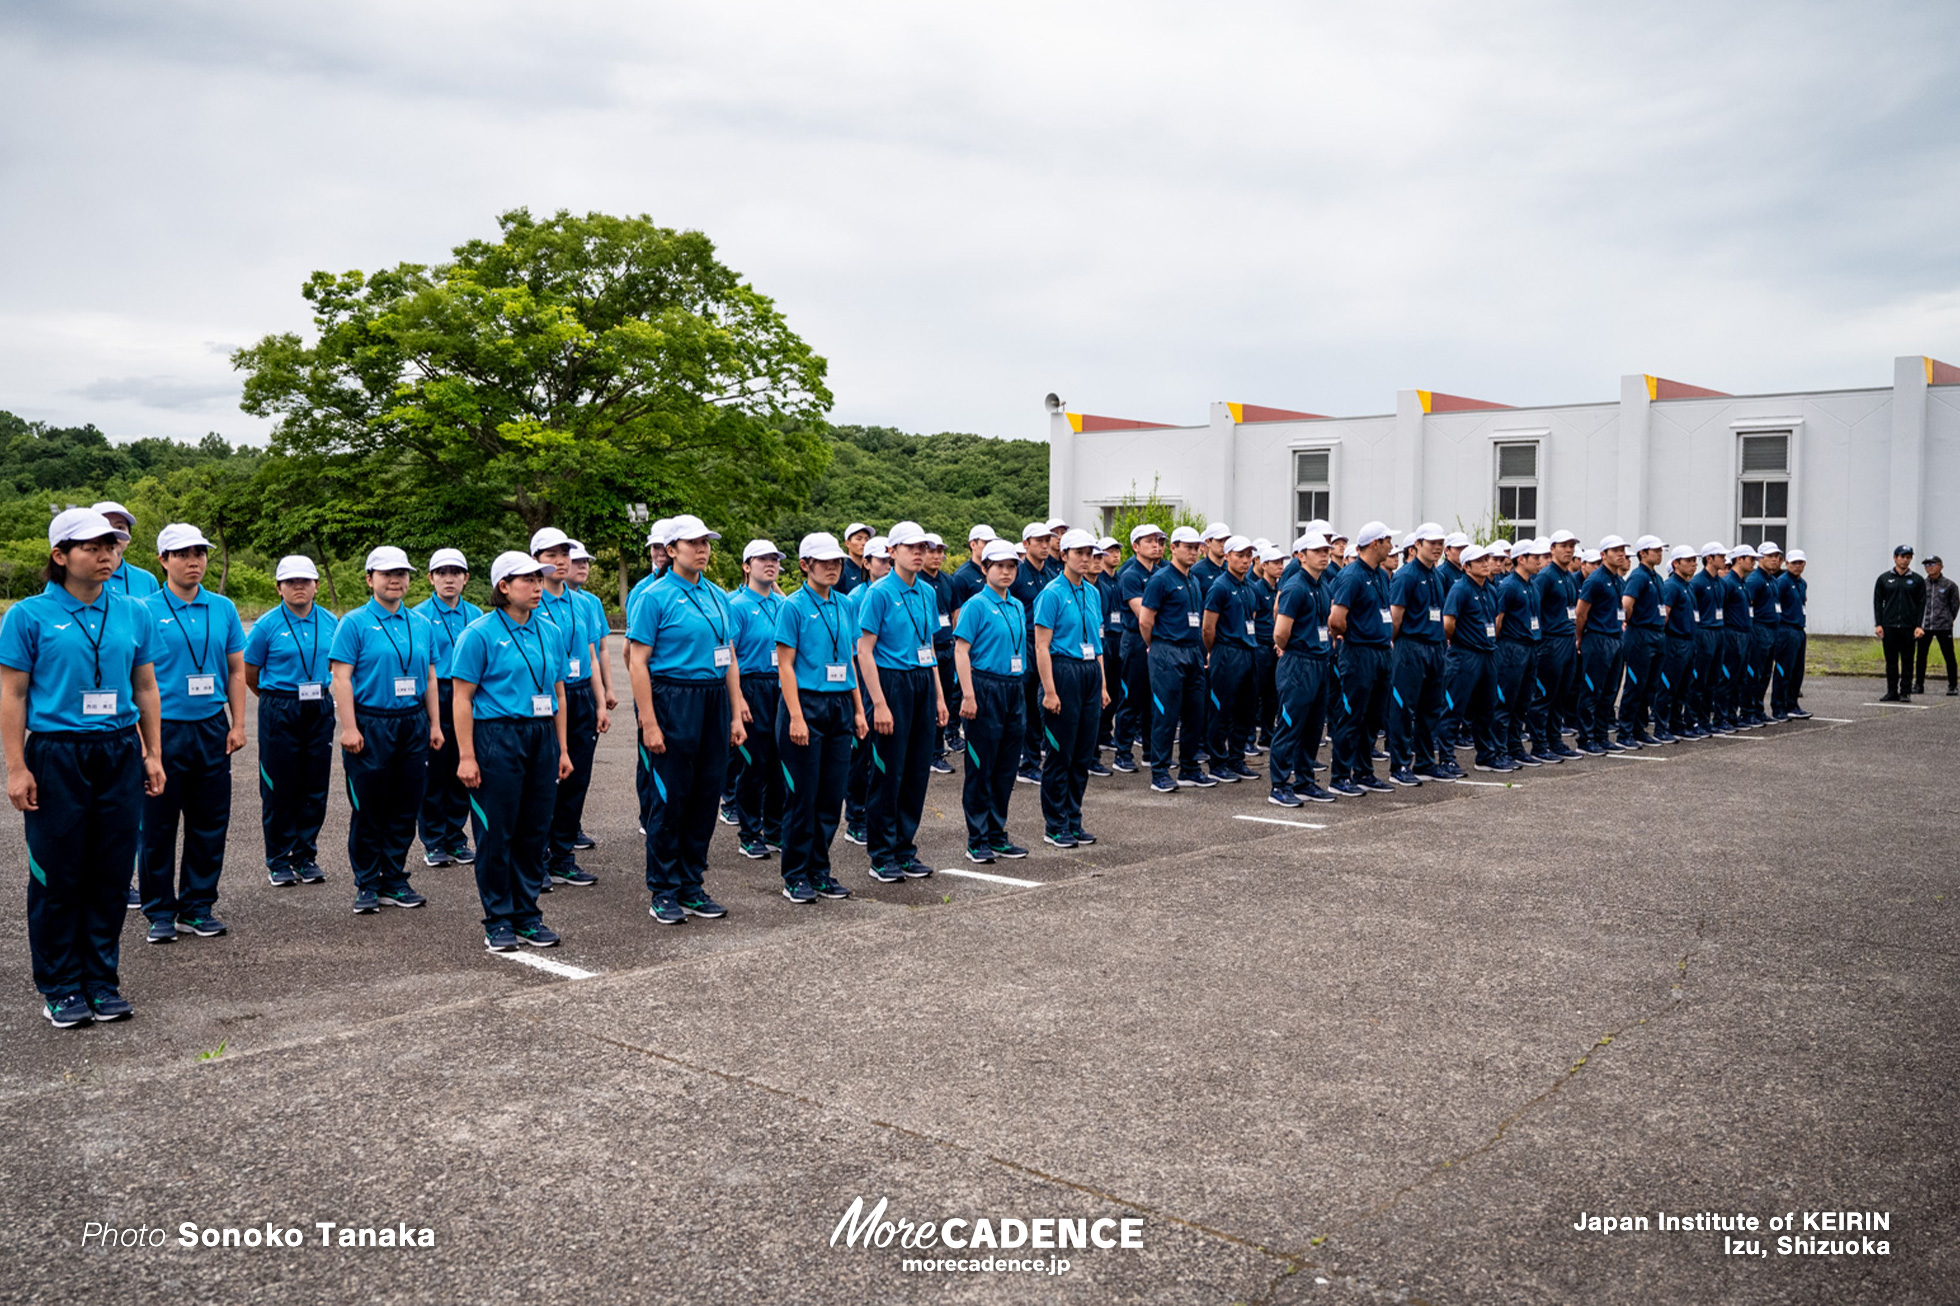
1133,512
1486,530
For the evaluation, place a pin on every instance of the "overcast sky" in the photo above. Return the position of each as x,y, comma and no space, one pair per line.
1144,207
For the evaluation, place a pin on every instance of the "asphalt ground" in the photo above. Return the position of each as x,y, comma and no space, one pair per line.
1390,1049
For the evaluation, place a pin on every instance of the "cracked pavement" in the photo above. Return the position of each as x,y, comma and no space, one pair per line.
1393,1058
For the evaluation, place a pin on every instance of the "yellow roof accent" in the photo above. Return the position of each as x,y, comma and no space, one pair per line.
1425,396
1238,410
1929,368
1653,388
1075,422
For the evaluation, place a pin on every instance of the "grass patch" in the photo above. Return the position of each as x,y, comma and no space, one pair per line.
1844,655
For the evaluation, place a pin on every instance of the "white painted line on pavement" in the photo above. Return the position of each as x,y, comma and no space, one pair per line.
1739,739
1836,720
1637,757
1917,707
1274,820
1492,784
995,879
557,968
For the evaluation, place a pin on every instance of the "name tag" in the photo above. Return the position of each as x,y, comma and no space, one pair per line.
404,686
1115,618
1193,620
836,673
1323,634
724,657
1572,614
1088,652
1435,614
1490,630
310,692
945,620
926,658
1013,666
571,669
1693,615
1388,618
1776,608
98,702
543,705
1534,624
200,686
1249,628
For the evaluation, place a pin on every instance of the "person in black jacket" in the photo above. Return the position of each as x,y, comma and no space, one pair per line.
1942,604
1898,603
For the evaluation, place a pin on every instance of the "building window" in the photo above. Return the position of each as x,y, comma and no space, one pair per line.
1517,490
1763,495
1313,487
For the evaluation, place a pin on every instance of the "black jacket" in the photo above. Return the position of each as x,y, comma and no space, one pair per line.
1898,601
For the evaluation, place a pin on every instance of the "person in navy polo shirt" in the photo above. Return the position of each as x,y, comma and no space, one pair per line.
1765,616
659,556
1597,624
80,724
1108,560
1039,569
1738,632
1519,633
586,717
1133,724
820,718
1171,622
1470,624
127,581
1304,649
1229,629
1792,591
990,650
1711,669
445,804
1268,562
687,689
942,644
899,670
509,669
1673,710
1360,619
384,692
857,572
1068,625
200,671
1415,695
759,794
877,564
1557,586
286,666
1643,642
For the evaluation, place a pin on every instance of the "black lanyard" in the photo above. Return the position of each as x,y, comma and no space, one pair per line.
444,613
836,630
95,641
312,628
1014,631
407,660
183,627
1081,613
721,631
517,638
904,593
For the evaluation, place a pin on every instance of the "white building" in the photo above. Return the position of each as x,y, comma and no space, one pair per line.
1842,474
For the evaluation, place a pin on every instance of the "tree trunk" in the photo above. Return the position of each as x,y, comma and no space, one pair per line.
326,565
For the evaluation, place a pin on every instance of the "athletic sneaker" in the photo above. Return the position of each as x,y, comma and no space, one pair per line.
366,901
582,842
1100,771
1062,840
1565,750
1546,759
940,766
1406,778
1313,793
1349,788
915,870
1597,750
854,834
1224,775
1027,777
107,1004
133,900
500,938
1243,772
1197,780
1500,766
1010,850
1125,763
698,903
202,924
1798,714
1164,785
438,859
886,874
1664,737
311,874
1283,796
728,816
67,1011
163,931
1081,835
1374,782
980,856
667,910
754,849
1253,750
464,855
402,897
281,877
829,888
539,935
1524,759
574,875
799,893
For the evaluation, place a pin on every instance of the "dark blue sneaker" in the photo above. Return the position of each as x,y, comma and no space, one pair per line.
1406,778
940,766
1081,835
1664,737
1612,746
980,856
886,874
1548,759
311,874
67,1011
574,875
829,888
500,938
1010,850
1524,759
1100,771
754,849
1374,782
1253,750
463,855
1565,751
915,870
1283,796
402,897
728,815
582,842
281,877
437,858
1348,788
1196,780
1313,793
698,903
108,1005
1497,766
799,893
667,910
1027,777
366,901
1164,785
1596,750
202,924
162,931
1224,775
854,834
1062,840
1124,763
539,935
133,900
1798,714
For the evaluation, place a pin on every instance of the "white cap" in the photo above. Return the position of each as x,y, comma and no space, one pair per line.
1796,555
296,566
1714,549
1564,537
386,558
657,533
1429,530
1532,547
1217,530
82,524
820,546
1590,555
934,541
1020,550
1611,542
1647,542
108,506
877,547
1144,530
1472,552
1108,542
1271,553
1679,552
999,551
1056,525
1310,540
905,532
180,535
1743,551
1371,532
854,528
1035,530
981,532
1498,548
1261,542
548,537
512,563
1768,547
1455,540
1237,544
760,549
1333,534
689,527
447,558
1186,535
1077,538
580,553
1317,524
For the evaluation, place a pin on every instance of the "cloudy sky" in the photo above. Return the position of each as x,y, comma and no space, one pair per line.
1145,207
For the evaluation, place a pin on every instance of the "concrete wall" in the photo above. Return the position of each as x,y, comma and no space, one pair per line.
1869,469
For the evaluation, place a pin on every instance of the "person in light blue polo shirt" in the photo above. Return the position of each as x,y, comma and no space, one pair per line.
586,717
1068,648
76,687
200,670
687,690
445,805
759,793
286,655
659,557
130,582
899,669
820,717
598,628
990,653
509,671
384,691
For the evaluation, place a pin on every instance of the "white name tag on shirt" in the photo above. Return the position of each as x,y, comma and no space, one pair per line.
310,692
1534,624
926,658
1089,651
1435,614
1013,666
200,686
836,673
1388,618
404,686
724,657
571,672
98,702
543,705
1323,634
945,620
1249,628
1115,618
1776,608
1490,630
1193,620
1572,614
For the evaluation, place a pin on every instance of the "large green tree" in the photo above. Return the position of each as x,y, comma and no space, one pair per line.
557,375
